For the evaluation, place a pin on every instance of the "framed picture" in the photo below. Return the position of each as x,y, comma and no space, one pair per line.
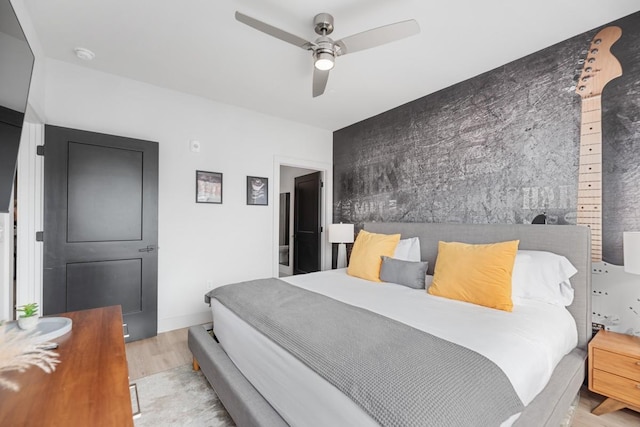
208,187
257,191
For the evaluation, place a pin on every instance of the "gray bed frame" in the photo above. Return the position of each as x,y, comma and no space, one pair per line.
248,408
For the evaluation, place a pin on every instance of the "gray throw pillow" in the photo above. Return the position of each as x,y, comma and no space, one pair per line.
407,273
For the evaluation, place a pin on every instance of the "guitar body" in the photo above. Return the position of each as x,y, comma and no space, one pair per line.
615,303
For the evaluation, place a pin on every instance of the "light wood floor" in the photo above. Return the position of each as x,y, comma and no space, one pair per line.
169,350
166,351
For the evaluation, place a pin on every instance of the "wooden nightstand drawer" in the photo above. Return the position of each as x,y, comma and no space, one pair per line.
616,386
618,364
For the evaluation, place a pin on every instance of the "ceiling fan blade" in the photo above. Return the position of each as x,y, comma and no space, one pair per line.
378,36
273,31
320,78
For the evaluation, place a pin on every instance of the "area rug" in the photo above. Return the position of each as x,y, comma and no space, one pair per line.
179,397
571,413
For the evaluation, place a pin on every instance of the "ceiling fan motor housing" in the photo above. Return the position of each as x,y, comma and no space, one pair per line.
324,53
323,23
324,44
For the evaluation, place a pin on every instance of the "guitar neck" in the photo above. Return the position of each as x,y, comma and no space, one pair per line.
590,173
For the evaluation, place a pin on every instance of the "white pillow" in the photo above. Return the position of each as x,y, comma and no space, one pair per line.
408,250
542,276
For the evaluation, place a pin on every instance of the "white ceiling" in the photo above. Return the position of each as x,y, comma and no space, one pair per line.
197,46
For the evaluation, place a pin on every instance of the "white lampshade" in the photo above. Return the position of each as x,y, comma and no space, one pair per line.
341,233
631,247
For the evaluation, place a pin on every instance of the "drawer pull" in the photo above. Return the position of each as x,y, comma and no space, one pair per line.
125,330
134,389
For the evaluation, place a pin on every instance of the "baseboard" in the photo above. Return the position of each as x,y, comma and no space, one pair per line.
178,322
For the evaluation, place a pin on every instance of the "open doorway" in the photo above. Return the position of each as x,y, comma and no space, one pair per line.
287,217
325,207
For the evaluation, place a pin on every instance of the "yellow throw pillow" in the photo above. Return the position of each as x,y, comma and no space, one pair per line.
479,274
367,252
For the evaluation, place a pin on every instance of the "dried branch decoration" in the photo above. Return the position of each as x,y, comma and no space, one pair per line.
18,353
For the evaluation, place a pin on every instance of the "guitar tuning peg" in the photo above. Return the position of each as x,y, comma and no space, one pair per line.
581,61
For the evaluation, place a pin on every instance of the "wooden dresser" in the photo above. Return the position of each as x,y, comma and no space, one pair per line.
90,386
614,371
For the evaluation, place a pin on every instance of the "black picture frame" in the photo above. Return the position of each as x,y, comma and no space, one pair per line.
257,191
208,187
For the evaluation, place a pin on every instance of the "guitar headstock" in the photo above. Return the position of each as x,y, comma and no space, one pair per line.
600,66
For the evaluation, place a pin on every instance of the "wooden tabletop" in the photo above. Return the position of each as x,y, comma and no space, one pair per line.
90,386
628,345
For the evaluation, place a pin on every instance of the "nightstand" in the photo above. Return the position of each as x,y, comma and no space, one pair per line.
614,371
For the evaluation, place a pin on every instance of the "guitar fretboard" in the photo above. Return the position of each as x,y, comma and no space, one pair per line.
590,173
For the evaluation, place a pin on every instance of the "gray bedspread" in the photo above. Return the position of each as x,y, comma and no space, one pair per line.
399,375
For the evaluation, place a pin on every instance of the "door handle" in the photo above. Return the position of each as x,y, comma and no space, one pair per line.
134,388
149,248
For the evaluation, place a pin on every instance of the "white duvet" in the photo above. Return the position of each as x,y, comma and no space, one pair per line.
526,344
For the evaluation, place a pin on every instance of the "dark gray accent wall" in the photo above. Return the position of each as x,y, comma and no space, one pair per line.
501,147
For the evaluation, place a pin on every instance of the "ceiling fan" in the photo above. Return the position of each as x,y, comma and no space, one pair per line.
325,49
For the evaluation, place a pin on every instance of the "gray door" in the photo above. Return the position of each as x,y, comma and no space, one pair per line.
101,226
306,223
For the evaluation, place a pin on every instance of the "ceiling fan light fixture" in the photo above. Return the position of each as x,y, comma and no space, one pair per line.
324,61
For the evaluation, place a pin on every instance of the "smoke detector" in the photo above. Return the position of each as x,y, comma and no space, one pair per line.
84,54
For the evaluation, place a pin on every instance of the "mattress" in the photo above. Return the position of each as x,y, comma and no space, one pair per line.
526,344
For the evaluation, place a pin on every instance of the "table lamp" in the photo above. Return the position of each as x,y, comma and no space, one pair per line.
341,234
631,248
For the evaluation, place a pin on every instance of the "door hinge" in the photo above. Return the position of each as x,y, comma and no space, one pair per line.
39,236
321,229
321,184
40,150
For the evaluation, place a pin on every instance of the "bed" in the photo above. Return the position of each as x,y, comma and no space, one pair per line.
248,406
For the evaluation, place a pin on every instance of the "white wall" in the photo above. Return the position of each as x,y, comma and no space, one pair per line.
36,88
14,59
199,243
287,185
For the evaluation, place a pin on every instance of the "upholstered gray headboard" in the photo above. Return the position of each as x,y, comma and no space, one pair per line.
574,242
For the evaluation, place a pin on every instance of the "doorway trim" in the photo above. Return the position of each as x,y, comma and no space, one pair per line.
326,214
29,194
